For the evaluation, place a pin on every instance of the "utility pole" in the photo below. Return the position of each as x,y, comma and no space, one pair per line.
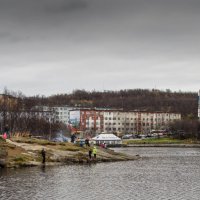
199,105
50,128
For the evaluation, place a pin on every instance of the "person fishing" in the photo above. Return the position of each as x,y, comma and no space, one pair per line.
43,156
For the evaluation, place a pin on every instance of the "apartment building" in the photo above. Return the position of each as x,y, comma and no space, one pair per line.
62,113
53,114
120,121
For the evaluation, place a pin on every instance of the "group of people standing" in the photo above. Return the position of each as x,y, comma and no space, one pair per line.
92,151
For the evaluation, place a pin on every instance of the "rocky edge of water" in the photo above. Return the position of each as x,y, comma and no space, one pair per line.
27,152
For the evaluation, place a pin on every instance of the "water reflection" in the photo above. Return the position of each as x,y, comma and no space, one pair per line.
162,173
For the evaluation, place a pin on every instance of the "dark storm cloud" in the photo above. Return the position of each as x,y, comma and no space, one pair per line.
112,43
66,6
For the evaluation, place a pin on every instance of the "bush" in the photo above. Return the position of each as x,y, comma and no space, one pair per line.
2,139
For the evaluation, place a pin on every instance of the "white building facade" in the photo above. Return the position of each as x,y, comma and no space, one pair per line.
110,121
137,122
62,113
53,114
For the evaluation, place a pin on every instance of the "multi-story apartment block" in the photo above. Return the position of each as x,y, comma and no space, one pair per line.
53,114
120,121
62,113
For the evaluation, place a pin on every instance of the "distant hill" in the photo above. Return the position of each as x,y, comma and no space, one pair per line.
185,103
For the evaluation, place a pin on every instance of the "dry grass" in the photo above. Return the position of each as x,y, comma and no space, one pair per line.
32,141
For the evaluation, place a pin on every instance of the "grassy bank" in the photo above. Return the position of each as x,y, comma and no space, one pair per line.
165,140
18,152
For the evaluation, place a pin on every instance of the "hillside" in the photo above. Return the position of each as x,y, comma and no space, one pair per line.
136,99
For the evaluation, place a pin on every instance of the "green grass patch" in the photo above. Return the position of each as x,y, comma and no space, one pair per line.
2,140
22,159
3,153
165,140
19,159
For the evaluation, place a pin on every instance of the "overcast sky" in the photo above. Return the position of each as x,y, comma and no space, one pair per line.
55,46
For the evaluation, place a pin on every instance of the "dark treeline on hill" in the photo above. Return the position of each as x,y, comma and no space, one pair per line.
185,103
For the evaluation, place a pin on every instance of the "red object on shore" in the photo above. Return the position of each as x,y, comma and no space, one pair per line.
5,136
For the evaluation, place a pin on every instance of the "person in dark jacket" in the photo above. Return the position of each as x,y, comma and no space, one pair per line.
87,143
90,153
73,137
43,156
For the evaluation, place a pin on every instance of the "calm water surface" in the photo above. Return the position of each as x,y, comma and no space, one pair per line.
162,173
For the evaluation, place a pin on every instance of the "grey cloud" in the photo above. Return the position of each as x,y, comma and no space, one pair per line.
66,6
115,43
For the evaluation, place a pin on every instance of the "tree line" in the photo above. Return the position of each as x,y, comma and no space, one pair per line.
153,100
21,116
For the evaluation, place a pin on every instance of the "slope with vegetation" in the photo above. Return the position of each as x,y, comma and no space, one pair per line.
27,152
136,99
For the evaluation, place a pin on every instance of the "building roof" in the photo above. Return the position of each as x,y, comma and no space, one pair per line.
121,111
106,136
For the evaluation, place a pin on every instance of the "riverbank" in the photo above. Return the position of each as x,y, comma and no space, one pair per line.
162,142
22,152
164,145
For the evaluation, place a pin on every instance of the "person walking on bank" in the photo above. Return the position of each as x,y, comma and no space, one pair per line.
43,156
90,153
94,152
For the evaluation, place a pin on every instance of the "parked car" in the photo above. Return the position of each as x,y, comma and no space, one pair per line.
141,136
128,136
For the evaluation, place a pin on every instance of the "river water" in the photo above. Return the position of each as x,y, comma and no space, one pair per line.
161,174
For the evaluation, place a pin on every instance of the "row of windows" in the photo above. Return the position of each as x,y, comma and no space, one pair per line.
144,119
131,124
124,124
144,114
121,129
